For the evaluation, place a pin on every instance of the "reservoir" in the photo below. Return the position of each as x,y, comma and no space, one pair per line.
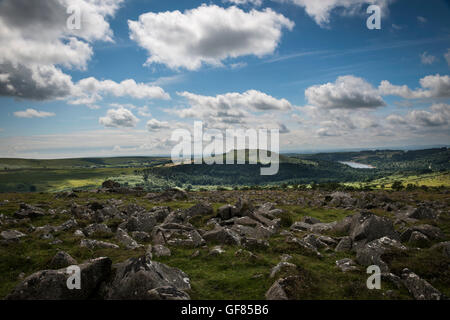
357,165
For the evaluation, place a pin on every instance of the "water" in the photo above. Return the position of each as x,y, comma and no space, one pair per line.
357,165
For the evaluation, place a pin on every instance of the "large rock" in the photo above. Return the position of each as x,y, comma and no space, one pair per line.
123,237
134,277
422,213
140,222
11,235
222,236
285,288
167,293
342,199
96,229
444,246
346,265
69,224
433,233
372,252
200,209
282,266
368,226
160,251
52,284
61,260
95,244
419,288
28,211
344,245
177,235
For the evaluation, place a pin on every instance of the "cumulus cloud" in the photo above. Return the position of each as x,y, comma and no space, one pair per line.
35,40
155,125
347,92
119,118
320,10
32,113
438,115
447,57
89,90
433,86
426,58
208,35
230,108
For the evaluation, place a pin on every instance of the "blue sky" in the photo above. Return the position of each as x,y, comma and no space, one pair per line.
314,71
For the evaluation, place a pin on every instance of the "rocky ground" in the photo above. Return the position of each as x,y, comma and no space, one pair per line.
256,244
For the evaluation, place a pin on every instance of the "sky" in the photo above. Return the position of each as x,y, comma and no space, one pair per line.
136,70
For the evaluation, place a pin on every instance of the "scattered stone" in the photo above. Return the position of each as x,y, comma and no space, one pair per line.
255,244
419,288
368,226
422,213
433,233
372,252
79,234
310,220
161,251
123,237
167,293
216,251
200,209
344,245
223,236
96,229
419,239
140,236
282,266
52,284
134,277
94,244
61,260
27,211
346,265
444,246
12,235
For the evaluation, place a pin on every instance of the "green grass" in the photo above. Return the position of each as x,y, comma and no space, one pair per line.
227,276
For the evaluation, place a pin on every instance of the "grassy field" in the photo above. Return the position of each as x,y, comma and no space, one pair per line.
232,275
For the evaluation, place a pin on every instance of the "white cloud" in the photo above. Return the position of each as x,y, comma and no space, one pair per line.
89,90
155,125
432,86
447,57
347,92
207,35
32,113
320,10
426,58
119,118
438,115
245,2
35,40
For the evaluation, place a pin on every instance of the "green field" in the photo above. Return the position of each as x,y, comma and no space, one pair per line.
429,168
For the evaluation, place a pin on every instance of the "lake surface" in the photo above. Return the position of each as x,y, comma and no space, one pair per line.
357,165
